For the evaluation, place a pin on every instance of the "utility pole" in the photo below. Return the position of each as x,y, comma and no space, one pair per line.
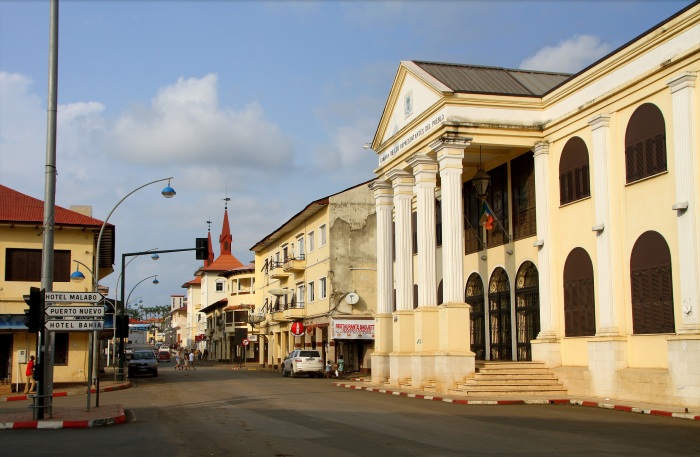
45,340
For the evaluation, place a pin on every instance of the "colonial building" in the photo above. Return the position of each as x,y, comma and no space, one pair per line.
240,287
208,306
535,216
315,281
75,238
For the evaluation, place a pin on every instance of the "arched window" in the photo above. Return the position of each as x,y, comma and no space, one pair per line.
574,177
645,143
499,316
579,296
474,296
527,309
652,285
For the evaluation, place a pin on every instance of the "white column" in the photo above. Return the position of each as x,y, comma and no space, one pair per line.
450,152
541,157
600,125
425,172
685,127
383,197
403,195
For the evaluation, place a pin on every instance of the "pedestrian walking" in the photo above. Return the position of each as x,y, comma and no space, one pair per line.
186,360
192,360
341,366
30,386
177,359
328,369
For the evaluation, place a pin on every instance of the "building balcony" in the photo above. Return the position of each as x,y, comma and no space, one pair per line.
295,311
278,272
294,264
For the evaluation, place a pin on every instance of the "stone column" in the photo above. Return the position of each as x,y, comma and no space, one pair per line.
685,128
426,330
601,197
403,336
454,359
383,330
545,348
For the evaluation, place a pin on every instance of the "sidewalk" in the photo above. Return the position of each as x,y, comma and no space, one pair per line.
15,411
679,412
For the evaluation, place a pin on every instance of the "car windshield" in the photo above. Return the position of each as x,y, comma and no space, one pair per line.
144,355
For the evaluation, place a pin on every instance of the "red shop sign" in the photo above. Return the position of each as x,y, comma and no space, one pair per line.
297,329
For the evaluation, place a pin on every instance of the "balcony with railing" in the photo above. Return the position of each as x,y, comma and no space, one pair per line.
277,270
295,263
283,312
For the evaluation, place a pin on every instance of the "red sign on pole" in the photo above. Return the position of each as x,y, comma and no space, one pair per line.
297,329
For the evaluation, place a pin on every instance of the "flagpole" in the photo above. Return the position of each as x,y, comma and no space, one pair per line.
497,220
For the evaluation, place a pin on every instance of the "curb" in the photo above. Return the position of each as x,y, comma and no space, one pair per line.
69,392
593,404
52,424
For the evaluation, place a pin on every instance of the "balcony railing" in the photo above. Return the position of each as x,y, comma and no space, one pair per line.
277,270
296,263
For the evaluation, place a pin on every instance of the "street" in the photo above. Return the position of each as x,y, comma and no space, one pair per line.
219,411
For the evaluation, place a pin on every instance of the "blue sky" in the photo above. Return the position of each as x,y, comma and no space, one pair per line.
266,103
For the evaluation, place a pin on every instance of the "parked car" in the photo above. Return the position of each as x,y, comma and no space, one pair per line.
143,361
164,355
303,362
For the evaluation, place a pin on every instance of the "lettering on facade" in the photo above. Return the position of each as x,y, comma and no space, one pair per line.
407,140
353,330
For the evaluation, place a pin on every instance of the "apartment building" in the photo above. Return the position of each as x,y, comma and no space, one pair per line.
315,282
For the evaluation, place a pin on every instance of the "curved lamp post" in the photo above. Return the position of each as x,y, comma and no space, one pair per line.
167,192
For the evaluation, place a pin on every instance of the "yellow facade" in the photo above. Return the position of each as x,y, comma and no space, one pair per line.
304,272
80,243
528,140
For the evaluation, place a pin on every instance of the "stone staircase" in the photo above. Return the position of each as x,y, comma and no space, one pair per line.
503,379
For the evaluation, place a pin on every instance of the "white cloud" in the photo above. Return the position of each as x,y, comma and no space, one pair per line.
185,124
568,56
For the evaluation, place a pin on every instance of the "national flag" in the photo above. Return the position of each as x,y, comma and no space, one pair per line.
486,218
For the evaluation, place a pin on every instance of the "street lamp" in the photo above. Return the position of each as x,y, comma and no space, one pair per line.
77,276
167,192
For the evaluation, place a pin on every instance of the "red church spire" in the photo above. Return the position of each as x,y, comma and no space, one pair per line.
225,238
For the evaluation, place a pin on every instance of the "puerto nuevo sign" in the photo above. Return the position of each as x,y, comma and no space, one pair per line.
73,297
75,311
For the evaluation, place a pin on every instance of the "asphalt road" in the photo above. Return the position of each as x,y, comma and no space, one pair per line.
219,411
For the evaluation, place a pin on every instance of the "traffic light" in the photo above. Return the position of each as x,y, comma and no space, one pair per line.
121,326
34,316
202,245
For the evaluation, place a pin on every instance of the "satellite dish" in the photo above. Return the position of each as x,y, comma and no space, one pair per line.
281,292
352,298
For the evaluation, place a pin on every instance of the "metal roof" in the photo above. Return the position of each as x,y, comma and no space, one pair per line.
493,80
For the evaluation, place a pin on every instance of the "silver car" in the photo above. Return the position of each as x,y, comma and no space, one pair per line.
143,361
303,362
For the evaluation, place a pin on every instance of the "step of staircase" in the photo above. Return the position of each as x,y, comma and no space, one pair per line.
510,378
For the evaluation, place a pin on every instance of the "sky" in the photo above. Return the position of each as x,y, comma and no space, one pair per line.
265,103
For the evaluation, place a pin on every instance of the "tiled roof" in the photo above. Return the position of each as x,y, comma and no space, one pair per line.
196,281
18,208
493,80
223,263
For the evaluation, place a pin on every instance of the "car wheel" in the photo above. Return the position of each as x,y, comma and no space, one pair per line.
155,373
294,373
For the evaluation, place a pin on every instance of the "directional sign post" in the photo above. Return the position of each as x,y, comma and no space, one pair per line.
73,297
64,325
75,311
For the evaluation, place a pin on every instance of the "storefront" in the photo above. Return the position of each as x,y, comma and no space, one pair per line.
353,338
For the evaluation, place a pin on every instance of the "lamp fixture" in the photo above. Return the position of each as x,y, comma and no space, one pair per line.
168,192
481,179
77,276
